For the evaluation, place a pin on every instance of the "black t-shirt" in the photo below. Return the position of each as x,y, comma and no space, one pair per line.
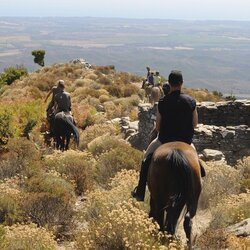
176,110
63,101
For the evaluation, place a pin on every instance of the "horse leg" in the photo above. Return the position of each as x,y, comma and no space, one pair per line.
173,214
152,208
63,143
58,142
67,141
188,229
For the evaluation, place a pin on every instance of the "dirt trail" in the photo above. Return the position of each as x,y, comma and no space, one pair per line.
200,223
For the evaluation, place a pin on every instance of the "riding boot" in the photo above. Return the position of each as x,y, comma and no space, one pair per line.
139,191
202,169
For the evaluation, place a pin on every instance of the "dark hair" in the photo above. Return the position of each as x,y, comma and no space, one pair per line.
175,77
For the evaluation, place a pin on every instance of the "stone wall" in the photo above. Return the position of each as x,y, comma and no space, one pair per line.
224,113
223,126
232,141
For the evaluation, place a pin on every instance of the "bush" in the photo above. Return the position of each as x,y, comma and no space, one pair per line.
20,118
22,158
49,201
221,181
121,157
10,203
117,222
104,80
104,144
111,110
77,167
6,130
50,183
92,132
27,237
114,90
236,210
129,90
244,168
11,74
46,209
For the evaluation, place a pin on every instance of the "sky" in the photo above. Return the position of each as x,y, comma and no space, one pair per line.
162,9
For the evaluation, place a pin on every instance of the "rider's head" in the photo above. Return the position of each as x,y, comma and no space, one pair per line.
175,78
61,84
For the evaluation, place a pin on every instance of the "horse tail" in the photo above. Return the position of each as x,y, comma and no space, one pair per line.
74,129
182,171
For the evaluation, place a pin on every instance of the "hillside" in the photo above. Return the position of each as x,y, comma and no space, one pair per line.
80,198
212,54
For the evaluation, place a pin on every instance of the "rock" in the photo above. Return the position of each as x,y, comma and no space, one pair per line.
81,61
134,125
211,154
100,108
240,229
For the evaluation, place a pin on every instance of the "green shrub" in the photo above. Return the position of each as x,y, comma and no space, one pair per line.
114,90
47,209
77,167
92,132
27,237
20,118
11,74
10,203
50,183
6,130
121,157
104,144
23,158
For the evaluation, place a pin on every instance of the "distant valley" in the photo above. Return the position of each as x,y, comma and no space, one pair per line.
212,54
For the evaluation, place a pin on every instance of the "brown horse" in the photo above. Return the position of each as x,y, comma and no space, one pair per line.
152,93
174,183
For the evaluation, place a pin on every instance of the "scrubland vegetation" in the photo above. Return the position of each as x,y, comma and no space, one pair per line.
80,199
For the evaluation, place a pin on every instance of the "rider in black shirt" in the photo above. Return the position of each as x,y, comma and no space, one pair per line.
175,121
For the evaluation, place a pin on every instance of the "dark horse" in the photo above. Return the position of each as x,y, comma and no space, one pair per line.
63,128
174,183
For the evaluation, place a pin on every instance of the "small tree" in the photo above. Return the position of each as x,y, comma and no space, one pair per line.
39,56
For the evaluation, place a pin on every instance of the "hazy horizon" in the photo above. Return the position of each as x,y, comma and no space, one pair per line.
140,9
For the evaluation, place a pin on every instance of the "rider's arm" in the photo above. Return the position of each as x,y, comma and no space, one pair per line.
158,121
50,92
195,118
